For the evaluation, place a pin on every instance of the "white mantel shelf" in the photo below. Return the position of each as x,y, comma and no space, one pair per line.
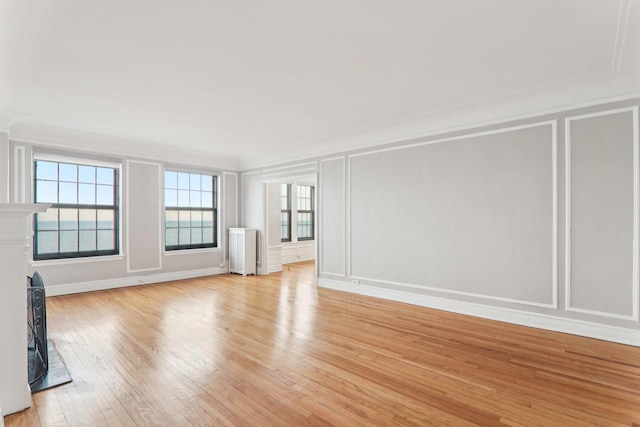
15,239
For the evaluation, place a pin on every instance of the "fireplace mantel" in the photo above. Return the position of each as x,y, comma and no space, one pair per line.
15,242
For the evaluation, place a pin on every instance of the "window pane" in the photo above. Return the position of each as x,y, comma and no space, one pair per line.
68,192
106,239
68,172
184,219
87,240
46,192
87,194
207,219
61,183
207,200
68,219
47,220
194,181
47,242
171,198
105,176
196,219
184,236
207,183
104,195
183,181
304,225
170,179
183,198
87,174
171,237
194,199
46,170
106,221
87,219
207,235
69,241
192,193
171,219
196,236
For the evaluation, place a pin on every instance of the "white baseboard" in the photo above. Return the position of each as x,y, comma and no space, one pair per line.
536,320
121,282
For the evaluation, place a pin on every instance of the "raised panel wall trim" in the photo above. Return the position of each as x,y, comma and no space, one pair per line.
235,194
554,194
128,217
97,285
344,213
19,174
536,320
636,216
454,292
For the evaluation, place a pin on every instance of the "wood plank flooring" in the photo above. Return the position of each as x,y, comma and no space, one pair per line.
276,350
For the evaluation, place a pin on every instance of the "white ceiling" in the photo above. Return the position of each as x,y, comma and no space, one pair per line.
257,81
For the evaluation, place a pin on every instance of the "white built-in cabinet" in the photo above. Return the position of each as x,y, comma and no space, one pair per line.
242,251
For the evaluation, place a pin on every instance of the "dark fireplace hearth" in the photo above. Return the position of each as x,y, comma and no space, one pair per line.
38,352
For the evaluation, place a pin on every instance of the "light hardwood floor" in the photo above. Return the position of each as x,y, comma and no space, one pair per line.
277,350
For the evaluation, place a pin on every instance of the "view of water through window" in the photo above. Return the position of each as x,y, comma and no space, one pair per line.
83,218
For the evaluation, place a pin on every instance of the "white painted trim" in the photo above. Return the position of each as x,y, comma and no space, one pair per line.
454,292
192,251
283,168
86,161
635,315
344,218
5,167
71,261
105,149
235,181
554,218
19,175
554,225
274,264
621,32
160,212
347,230
242,186
97,285
536,320
290,173
221,217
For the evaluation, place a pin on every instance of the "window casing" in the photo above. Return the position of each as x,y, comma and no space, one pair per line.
305,212
83,219
285,212
191,215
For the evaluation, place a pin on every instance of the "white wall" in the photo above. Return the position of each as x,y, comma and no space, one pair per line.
142,259
532,221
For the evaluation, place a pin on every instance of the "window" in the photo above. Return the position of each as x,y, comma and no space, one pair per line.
191,216
83,218
305,212
285,212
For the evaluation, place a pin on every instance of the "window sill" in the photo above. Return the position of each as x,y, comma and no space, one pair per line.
192,251
80,260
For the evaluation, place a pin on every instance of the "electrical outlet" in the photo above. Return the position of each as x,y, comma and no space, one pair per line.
355,282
